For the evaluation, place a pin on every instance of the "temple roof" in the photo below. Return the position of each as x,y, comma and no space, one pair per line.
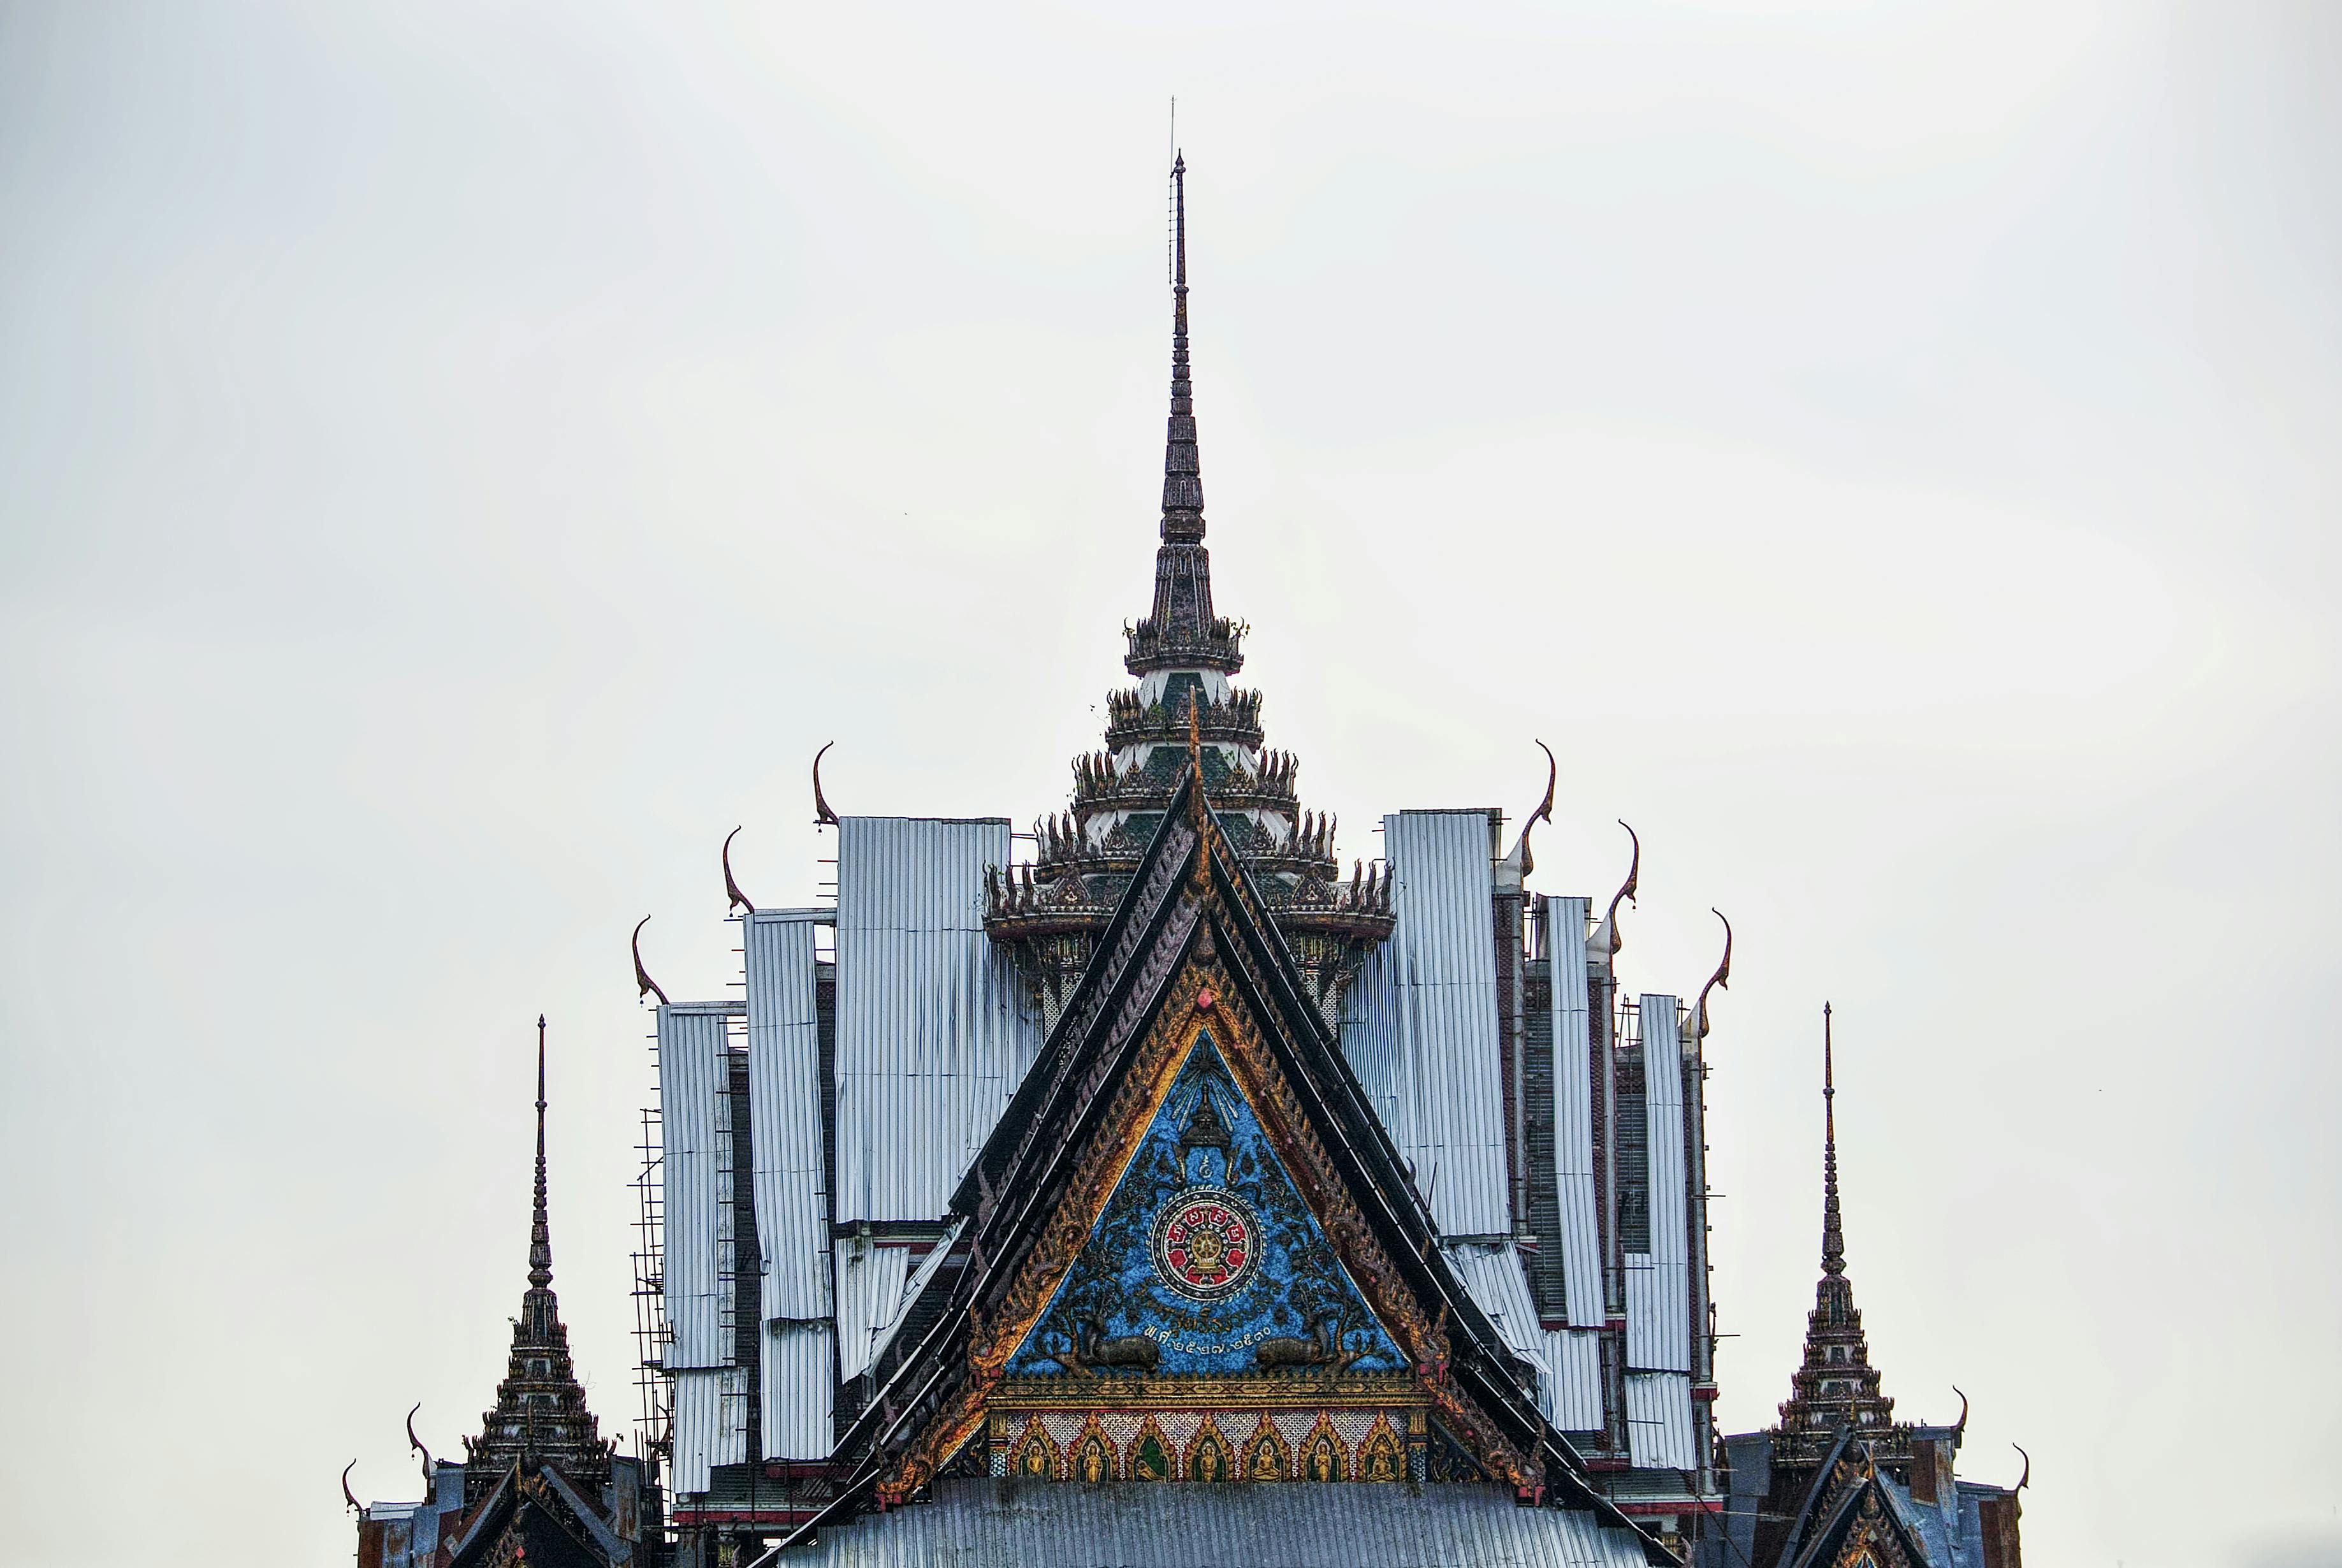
540,1416
1192,932
1183,653
1066,1526
1836,1388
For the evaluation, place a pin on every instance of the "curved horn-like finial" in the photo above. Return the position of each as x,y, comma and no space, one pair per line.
739,900
415,1443
646,986
822,815
354,1505
1960,1425
1543,811
2022,1480
1721,979
1607,943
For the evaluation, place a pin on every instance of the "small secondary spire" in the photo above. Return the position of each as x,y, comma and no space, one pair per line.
1837,1386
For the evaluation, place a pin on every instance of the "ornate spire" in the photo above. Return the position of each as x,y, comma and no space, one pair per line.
1183,715
1182,470
540,1230
540,1415
1182,632
1837,1386
1833,1228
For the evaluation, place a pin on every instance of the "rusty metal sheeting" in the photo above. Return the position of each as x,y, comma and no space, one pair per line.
1574,1357
1423,1030
1573,1115
1659,1283
1662,1429
870,1279
996,1524
710,1424
932,1033
696,1137
799,1386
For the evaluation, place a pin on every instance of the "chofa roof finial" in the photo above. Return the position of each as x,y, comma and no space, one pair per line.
414,1444
738,900
645,984
1719,981
822,815
1543,811
1606,940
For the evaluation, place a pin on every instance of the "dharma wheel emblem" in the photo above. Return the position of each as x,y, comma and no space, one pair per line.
1207,1243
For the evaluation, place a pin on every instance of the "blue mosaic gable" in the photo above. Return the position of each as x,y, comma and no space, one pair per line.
1205,1261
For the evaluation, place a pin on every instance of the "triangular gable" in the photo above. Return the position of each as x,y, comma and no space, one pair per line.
1193,949
1205,1261
1860,1524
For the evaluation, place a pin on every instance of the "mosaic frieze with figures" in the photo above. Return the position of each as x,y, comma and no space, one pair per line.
1206,1445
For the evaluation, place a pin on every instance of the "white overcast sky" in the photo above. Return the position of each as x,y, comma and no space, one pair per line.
462,459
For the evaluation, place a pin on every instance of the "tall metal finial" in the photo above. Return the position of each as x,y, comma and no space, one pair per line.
1183,479
1833,1231
1181,632
540,1229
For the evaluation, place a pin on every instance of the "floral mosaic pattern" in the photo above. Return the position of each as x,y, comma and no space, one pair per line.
1289,1309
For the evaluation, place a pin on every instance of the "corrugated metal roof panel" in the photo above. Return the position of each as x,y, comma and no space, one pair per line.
1658,1284
1493,1276
800,1383
785,1104
870,1279
1574,1356
1568,1363
1573,1115
1662,1431
694,1122
1064,1525
1423,1035
798,1388
710,1424
932,1033
1370,1015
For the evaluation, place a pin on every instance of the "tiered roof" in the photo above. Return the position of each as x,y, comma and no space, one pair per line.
1181,654
1837,1388
540,1417
1192,938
